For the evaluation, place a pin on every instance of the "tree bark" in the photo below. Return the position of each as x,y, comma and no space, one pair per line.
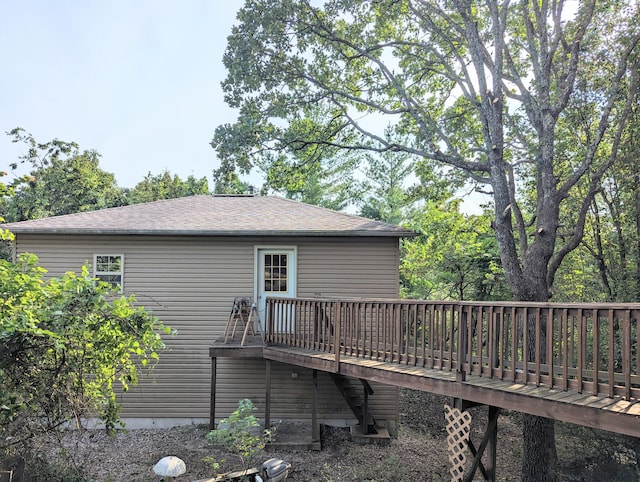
539,458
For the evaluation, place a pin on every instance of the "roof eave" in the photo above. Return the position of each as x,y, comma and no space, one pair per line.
227,233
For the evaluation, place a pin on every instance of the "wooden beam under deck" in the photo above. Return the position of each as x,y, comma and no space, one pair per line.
611,414
615,415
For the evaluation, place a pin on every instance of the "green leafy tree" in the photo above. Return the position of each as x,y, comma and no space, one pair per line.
455,256
165,186
322,183
230,183
66,343
611,246
481,87
387,175
5,235
319,174
63,180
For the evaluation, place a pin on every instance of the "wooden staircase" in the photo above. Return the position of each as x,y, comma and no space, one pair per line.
358,405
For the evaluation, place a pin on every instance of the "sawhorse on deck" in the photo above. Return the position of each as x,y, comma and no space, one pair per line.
243,313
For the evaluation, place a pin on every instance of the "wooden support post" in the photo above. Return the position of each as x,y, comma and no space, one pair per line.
493,442
315,428
212,404
367,390
267,396
490,439
365,413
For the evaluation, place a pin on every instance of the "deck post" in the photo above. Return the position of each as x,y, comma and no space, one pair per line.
267,396
365,413
212,404
489,441
315,428
493,442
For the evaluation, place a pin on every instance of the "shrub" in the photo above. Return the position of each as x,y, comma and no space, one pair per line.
240,434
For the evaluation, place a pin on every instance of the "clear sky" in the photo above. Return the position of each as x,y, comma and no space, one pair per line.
136,80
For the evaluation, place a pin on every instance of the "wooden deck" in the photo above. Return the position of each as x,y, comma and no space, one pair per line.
612,414
575,363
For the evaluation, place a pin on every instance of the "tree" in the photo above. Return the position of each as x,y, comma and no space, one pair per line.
386,178
230,183
478,86
315,174
65,343
6,190
396,181
164,186
612,237
454,257
324,182
62,180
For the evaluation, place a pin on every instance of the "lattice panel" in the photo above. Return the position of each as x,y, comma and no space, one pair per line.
458,430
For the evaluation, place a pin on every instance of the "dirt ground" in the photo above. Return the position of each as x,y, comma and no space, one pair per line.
419,453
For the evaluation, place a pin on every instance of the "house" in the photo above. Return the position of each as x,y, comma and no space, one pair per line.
187,259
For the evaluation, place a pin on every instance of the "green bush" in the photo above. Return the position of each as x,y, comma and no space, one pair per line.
65,343
240,434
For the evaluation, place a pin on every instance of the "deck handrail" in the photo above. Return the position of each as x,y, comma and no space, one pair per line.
592,348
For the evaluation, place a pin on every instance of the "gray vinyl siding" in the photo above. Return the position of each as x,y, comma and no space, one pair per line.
349,268
190,283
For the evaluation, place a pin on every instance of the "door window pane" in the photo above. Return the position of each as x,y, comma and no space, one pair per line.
276,275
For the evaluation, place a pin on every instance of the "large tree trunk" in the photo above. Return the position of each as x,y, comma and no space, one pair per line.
528,282
539,458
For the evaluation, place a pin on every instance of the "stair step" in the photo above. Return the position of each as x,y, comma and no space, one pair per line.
382,436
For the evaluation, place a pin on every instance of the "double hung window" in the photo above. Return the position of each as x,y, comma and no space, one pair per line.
110,269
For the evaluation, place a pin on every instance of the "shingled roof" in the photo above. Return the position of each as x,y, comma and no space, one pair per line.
206,215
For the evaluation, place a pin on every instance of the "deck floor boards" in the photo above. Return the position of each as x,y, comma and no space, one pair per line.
613,414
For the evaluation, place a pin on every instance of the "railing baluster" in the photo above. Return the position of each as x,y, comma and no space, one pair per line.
469,357
514,342
337,334
480,338
451,311
414,346
626,354
423,328
490,341
397,332
377,324
612,354
635,314
360,332
596,351
581,341
525,345
462,343
549,334
385,331
538,352
501,342
432,328
565,349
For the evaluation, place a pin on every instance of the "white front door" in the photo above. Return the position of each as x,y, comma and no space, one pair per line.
275,276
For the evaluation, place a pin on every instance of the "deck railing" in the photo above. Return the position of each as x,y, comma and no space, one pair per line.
591,348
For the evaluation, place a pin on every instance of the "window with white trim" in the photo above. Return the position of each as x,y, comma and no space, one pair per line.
110,269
